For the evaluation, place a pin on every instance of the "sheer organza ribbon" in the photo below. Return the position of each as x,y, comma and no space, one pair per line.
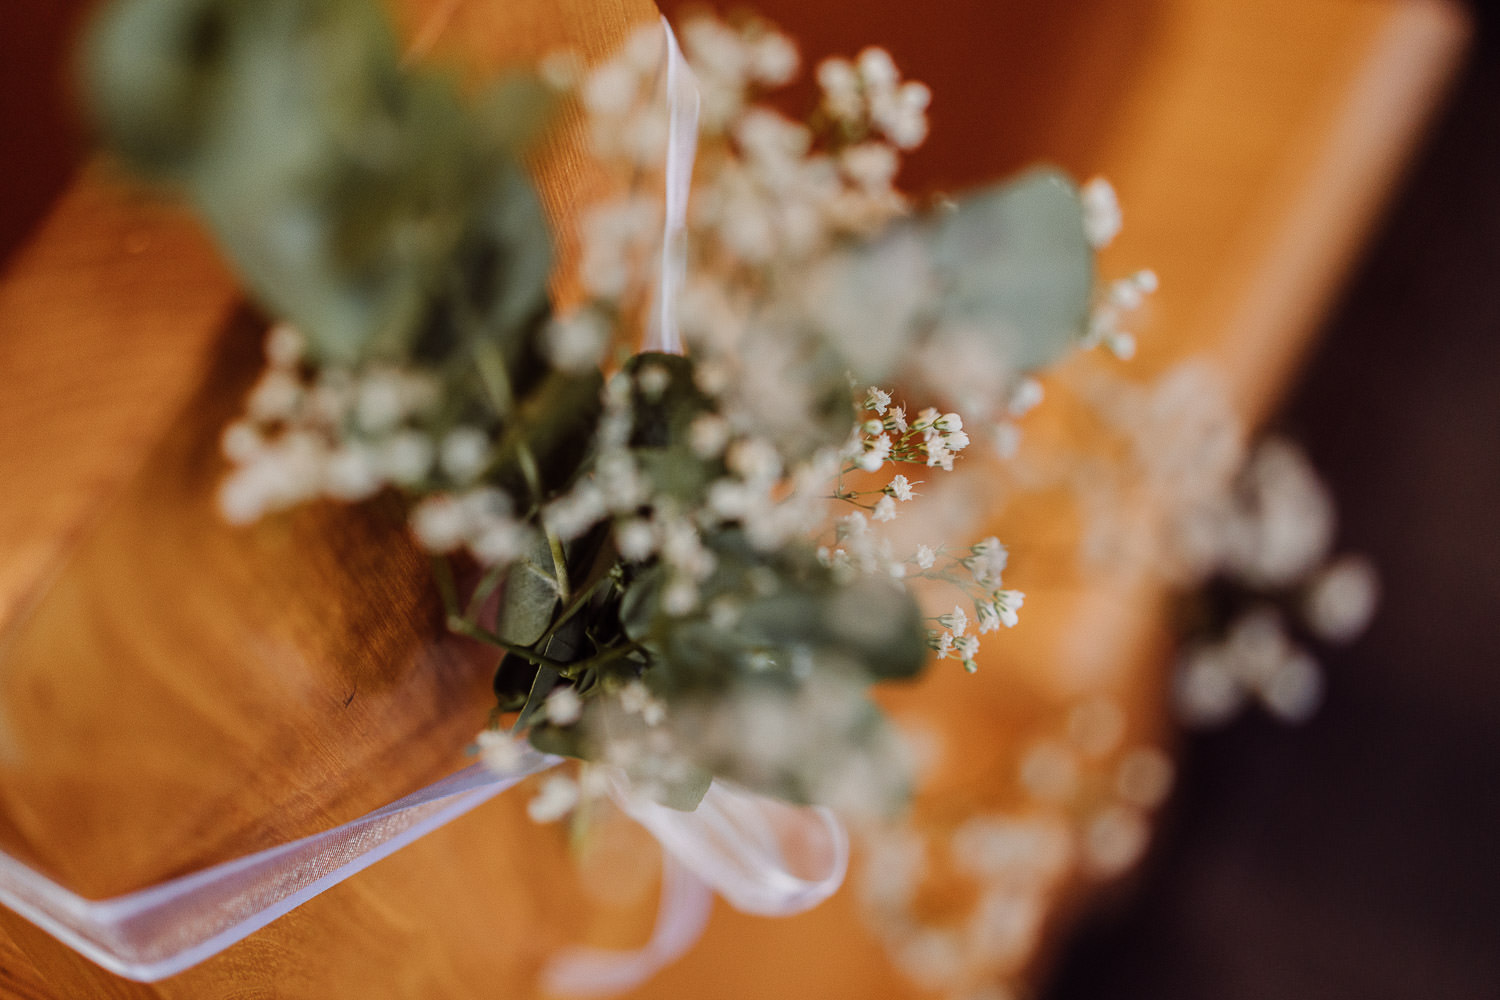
761,855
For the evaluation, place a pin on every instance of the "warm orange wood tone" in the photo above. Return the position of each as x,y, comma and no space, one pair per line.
174,690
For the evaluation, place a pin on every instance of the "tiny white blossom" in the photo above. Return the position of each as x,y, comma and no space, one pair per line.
464,453
1007,603
285,346
1121,344
564,707
852,525
1025,397
754,459
956,621
556,799
406,457
440,524
635,539
885,510
925,557
1101,212
900,488
275,397
876,454
500,751
708,435
502,542
350,474
241,441
680,597
653,381
378,402
575,343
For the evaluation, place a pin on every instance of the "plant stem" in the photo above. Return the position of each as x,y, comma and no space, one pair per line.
465,627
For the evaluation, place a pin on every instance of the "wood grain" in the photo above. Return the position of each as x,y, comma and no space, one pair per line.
174,690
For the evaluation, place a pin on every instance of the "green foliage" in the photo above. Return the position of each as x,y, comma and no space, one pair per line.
1014,261
529,597
1011,263
357,197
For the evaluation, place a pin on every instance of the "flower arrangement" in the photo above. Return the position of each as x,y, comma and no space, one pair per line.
683,553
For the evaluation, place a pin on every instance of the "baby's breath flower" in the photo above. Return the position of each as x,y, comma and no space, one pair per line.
679,597
558,796
564,707
956,621
575,343
653,380
1101,212
708,435
900,488
275,397
464,453
501,542
406,457
350,474
885,510
925,557
285,346
241,441
501,752
635,539
1007,603
1025,397
439,522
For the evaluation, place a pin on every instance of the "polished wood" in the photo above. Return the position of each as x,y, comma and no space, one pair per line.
176,692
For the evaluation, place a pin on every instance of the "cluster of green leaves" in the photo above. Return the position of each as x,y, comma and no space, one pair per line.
365,200
1011,262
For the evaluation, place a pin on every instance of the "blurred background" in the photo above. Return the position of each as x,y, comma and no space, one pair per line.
1354,856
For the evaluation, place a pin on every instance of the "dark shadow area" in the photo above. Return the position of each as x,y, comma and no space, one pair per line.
1356,857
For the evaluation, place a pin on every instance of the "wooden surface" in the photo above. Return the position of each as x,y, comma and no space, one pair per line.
174,690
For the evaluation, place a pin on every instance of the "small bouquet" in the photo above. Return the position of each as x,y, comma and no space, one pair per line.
665,499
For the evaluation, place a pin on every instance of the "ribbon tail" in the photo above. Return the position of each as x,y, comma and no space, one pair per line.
680,919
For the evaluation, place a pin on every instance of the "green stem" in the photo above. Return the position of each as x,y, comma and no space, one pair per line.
467,628
571,608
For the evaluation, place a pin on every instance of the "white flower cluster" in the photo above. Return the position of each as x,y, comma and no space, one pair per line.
1088,796
346,434
1261,523
932,440
1272,532
340,434
868,96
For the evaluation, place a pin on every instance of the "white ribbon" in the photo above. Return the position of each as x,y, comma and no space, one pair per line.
761,855
682,99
